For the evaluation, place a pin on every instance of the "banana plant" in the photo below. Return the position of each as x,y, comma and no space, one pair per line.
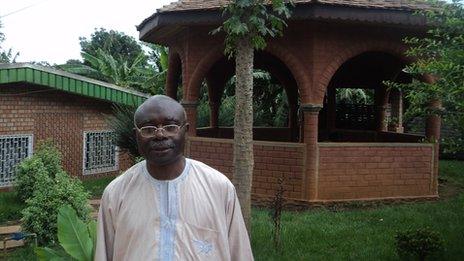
77,238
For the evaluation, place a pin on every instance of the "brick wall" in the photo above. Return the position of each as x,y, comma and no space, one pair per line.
374,170
272,160
46,113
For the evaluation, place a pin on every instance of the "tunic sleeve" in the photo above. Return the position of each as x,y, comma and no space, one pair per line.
239,242
105,231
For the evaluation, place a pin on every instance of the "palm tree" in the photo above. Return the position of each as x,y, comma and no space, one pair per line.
105,67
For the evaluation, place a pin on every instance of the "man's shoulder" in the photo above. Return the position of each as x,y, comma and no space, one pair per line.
209,173
120,182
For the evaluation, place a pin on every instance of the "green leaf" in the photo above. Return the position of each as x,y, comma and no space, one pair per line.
48,254
92,229
73,235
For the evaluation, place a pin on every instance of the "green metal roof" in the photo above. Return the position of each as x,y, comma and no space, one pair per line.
68,82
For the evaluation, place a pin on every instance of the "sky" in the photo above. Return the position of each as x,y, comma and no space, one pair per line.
49,30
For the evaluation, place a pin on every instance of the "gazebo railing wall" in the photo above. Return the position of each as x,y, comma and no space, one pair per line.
345,171
375,170
272,161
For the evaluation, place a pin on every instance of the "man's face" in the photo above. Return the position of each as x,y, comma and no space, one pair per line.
161,148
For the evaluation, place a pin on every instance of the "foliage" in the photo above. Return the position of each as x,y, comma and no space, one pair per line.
28,171
439,56
203,110
50,156
77,238
46,159
49,194
116,44
6,56
10,207
96,186
270,103
105,67
251,19
122,123
418,242
157,70
354,96
116,58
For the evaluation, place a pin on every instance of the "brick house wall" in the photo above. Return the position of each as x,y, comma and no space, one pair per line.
56,115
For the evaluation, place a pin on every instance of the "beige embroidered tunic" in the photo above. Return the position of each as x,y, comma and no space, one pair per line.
196,216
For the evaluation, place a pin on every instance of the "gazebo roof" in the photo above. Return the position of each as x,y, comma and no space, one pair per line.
187,5
184,13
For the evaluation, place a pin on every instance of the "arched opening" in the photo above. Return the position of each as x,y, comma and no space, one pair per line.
275,98
359,107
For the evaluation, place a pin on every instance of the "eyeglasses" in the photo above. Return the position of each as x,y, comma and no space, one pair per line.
167,130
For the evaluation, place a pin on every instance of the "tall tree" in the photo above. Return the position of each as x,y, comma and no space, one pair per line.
116,58
117,44
248,24
439,55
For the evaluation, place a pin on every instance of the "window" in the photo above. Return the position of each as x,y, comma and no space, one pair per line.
13,149
100,153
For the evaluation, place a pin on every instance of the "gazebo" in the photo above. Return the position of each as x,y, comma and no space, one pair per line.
328,151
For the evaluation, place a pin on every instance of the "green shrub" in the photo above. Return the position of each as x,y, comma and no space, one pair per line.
46,158
418,243
40,214
26,175
50,156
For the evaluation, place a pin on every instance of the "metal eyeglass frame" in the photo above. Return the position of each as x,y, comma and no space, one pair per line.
162,128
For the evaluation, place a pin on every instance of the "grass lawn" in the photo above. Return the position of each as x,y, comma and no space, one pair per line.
10,207
366,234
96,186
354,234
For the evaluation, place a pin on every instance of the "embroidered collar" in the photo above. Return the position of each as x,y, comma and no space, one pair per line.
178,179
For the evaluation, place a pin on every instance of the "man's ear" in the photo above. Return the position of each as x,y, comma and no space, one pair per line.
187,126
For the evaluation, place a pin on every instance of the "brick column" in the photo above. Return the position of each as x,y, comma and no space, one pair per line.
310,134
432,133
433,121
172,78
331,109
396,100
381,101
191,110
214,115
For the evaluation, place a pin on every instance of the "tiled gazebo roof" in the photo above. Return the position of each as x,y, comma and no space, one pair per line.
187,5
190,12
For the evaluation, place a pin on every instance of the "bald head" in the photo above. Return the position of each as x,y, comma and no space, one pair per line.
160,104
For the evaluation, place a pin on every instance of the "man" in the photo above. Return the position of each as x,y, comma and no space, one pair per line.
168,207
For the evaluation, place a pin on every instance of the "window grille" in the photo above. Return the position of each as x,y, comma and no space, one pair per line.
100,154
13,149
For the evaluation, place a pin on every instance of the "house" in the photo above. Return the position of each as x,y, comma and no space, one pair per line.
39,103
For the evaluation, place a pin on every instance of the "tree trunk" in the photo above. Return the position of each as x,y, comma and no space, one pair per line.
243,127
